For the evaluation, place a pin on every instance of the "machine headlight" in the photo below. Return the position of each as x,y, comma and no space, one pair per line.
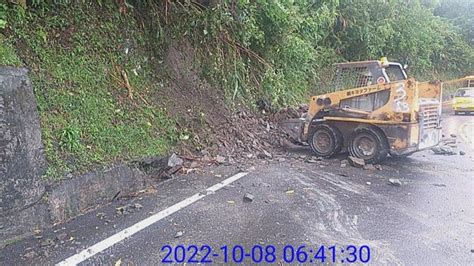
454,101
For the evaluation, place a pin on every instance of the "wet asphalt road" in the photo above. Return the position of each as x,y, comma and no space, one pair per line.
429,219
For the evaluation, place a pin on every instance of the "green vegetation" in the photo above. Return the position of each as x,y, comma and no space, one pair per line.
86,115
8,56
276,50
281,50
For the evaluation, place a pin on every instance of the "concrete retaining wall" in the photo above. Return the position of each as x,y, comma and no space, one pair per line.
26,203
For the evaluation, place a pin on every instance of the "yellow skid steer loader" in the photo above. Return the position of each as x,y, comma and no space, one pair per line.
374,111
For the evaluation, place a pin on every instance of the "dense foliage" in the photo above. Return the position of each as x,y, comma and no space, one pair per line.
278,50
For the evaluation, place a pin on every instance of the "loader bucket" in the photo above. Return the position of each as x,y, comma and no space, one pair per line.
293,128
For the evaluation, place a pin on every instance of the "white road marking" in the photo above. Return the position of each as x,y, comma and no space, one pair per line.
128,232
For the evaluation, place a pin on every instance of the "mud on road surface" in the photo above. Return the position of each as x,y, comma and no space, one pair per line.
426,218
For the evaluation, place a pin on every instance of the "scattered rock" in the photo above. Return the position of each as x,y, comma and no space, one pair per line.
453,135
129,208
443,150
369,167
344,163
47,242
290,191
61,237
462,153
179,234
312,159
248,197
394,182
356,162
30,255
368,183
220,159
194,164
251,169
265,155
174,160
281,159
378,167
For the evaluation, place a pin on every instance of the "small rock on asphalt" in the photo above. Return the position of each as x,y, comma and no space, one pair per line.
248,197
453,135
311,159
179,234
61,237
378,167
368,183
369,167
462,153
394,182
443,150
30,255
356,162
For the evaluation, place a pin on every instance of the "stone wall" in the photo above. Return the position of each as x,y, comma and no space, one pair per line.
22,162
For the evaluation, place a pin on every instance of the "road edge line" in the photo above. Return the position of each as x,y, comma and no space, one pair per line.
137,227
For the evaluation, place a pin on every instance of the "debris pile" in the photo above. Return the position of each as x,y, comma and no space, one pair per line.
447,146
242,136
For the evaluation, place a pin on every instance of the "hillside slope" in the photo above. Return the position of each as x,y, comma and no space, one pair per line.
117,81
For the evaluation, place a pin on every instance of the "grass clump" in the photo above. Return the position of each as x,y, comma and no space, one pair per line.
8,56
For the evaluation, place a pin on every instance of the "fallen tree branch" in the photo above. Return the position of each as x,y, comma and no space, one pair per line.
127,84
225,38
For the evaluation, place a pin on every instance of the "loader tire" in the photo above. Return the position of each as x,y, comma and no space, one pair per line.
325,140
368,144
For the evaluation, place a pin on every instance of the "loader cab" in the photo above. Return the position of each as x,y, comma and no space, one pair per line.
366,73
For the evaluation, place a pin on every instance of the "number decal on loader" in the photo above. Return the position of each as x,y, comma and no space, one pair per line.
401,105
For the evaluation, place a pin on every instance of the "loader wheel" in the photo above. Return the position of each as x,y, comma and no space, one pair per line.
368,144
325,140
